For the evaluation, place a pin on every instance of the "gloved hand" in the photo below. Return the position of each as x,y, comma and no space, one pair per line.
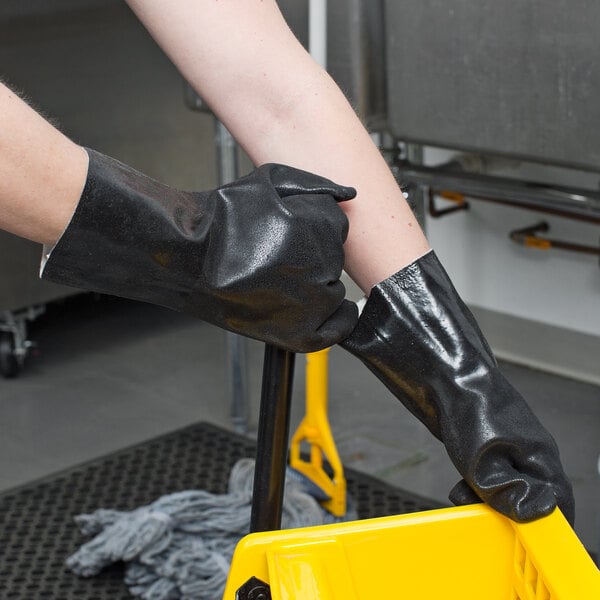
261,256
423,343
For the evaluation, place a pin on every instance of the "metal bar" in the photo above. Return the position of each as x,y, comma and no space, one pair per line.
528,237
416,193
317,31
572,247
227,160
571,202
237,369
272,443
436,212
237,381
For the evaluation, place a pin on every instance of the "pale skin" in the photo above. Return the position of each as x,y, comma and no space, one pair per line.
280,105
42,172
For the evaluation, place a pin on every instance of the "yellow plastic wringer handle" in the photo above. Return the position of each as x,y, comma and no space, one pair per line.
316,431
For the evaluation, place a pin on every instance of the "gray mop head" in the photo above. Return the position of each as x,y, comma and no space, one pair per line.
180,546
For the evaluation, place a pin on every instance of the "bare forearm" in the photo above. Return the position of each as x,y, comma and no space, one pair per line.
42,172
282,107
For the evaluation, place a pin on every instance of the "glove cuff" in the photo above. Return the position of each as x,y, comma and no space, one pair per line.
126,230
420,339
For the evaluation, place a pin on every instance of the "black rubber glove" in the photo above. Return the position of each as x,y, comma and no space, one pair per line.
423,343
261,256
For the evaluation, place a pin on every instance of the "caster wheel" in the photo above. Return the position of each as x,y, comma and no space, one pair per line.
9,364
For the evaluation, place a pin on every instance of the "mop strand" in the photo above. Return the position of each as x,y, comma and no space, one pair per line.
180,547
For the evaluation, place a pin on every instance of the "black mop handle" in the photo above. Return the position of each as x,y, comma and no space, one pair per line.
272,442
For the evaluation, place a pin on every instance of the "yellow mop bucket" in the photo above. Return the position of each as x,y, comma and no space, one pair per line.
462,553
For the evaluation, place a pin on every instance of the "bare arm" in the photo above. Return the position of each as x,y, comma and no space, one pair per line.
283,107
42,172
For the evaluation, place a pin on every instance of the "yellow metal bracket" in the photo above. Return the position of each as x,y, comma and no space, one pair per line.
315,431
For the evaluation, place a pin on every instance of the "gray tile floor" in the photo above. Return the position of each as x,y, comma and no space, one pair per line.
110,373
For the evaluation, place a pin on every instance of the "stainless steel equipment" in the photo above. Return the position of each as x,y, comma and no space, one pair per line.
497,76
508,78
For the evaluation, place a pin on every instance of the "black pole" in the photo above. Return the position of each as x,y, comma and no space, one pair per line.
272,443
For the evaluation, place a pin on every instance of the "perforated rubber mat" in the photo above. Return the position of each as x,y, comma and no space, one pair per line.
37,532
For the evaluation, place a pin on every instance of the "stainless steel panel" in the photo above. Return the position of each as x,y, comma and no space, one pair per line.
512,77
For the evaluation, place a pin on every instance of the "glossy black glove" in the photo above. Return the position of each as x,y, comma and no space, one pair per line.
261,256
423,343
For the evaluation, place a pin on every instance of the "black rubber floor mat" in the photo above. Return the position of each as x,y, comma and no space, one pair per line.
37,532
